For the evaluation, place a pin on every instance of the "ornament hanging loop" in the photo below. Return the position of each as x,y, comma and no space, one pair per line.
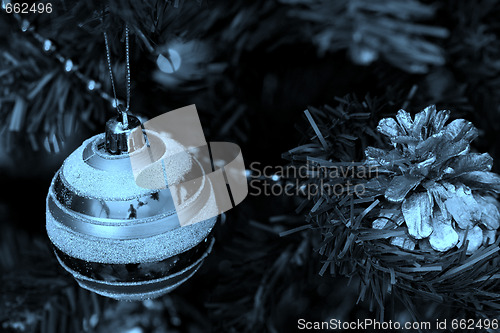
118,130
124,115
111,76
127,55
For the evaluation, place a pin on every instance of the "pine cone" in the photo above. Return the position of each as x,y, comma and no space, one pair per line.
433,184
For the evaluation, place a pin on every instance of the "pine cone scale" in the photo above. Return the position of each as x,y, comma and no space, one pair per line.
444,191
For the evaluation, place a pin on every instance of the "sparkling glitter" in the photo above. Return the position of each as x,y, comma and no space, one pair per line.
112,251
88,181
91,182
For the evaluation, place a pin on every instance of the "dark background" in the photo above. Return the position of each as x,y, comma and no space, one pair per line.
251,68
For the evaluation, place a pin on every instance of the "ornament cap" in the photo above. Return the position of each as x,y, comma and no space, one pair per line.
118,130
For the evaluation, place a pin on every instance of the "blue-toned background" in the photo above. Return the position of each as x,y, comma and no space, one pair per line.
251,68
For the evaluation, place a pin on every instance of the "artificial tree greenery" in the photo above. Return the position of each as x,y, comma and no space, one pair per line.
251,67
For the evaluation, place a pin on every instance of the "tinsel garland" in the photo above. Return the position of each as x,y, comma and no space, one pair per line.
353,247
48,302
368,31
158,25
375,30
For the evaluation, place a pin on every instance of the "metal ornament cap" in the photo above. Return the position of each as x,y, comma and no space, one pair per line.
118,131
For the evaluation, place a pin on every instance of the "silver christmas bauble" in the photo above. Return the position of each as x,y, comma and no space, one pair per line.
121,240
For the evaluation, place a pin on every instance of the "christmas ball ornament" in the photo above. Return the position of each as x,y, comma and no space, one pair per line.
116,238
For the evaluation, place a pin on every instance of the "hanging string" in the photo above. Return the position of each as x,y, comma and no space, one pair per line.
127,54
108,57
121,112
127,57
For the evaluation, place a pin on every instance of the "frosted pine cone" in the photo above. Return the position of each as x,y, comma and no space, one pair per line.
433,184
